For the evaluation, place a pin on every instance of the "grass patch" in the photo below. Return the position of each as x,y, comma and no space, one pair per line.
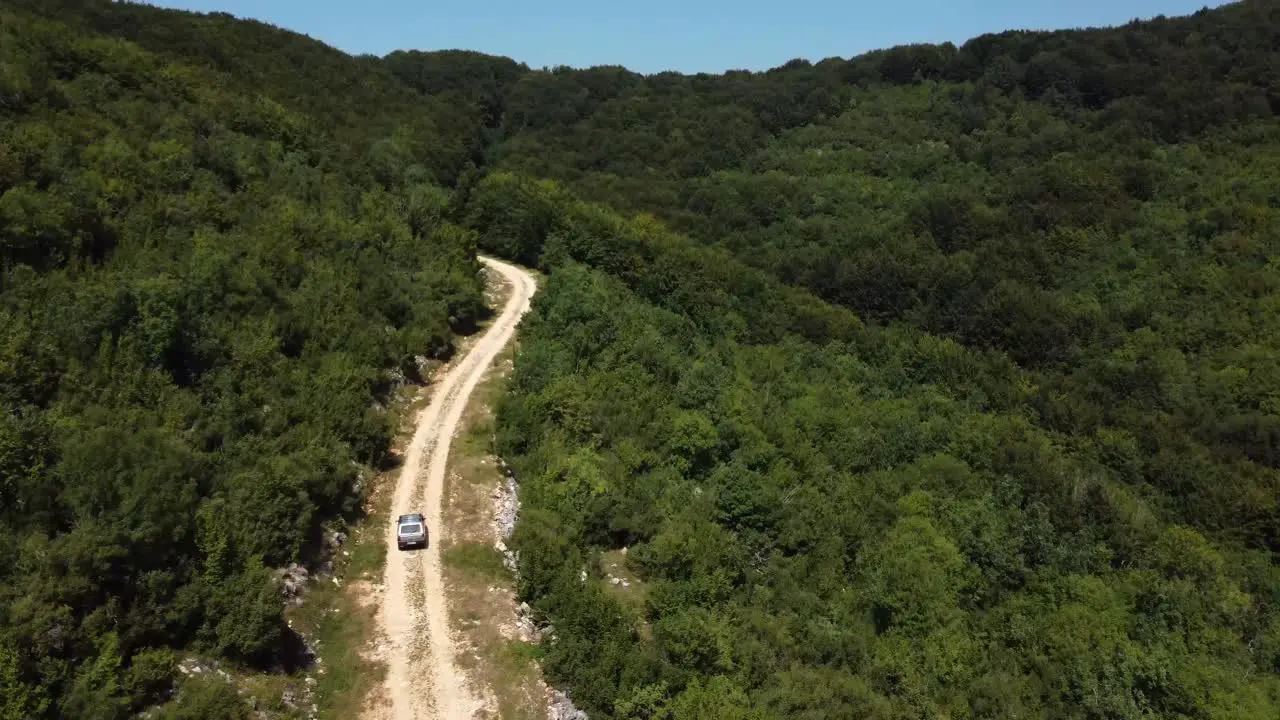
477,438
478,559
368,559
519,654
518,661
339,630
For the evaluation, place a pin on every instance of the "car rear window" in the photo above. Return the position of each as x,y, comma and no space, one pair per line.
410,529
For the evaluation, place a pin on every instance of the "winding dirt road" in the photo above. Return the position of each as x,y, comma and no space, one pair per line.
423,679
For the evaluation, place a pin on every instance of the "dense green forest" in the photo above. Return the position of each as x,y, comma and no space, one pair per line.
1028,470
204,295
937,382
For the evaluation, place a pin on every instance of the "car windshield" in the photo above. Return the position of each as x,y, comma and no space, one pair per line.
410,529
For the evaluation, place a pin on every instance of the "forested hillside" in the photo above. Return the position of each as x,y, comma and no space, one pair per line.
204,295
367,119
937,382
1029,470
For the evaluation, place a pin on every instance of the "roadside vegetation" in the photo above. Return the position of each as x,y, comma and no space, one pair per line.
938,382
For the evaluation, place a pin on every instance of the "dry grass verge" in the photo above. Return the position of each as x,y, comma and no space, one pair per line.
481,591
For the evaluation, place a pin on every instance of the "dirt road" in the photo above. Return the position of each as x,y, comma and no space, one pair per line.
423,679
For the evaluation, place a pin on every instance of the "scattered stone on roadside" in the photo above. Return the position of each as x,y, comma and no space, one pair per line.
529,631
509,559
508,506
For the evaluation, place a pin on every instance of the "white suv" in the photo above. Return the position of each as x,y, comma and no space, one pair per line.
411,530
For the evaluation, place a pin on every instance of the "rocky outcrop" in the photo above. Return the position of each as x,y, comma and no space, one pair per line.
293,583
561,707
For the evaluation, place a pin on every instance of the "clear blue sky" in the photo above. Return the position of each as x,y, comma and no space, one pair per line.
685,35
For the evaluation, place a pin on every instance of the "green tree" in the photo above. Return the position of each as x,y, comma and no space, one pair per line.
18,700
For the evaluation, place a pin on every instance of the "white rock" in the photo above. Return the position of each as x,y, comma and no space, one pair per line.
562,708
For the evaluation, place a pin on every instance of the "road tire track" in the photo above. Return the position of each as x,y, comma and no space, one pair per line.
423,679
